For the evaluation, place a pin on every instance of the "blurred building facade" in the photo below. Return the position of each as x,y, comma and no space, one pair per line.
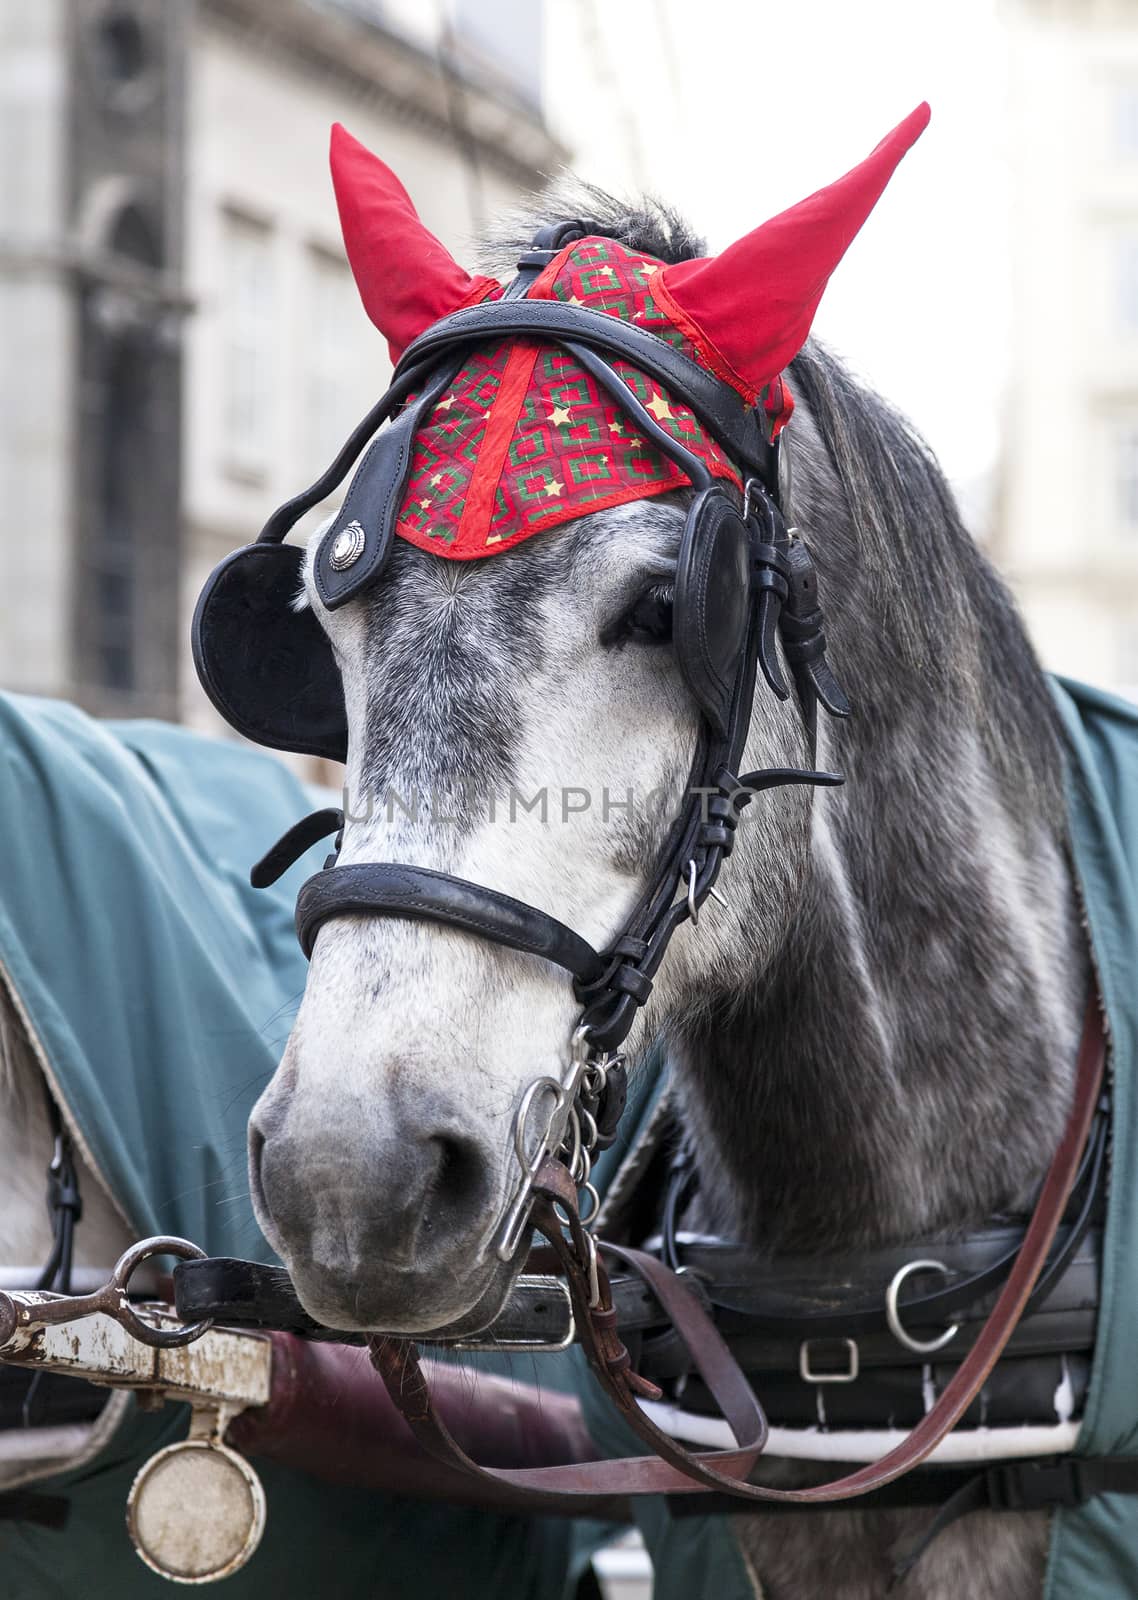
1067,527
181,346
90,350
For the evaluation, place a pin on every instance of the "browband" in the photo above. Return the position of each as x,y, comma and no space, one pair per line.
737,426
594,339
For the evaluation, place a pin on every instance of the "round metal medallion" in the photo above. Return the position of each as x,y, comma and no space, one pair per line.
196,1511
348,548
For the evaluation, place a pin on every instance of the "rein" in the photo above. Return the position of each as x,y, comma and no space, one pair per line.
671,1468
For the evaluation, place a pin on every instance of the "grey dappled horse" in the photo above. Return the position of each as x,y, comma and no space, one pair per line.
873,1039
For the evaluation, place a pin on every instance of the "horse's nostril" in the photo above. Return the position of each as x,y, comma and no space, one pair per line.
256,1152
460,1176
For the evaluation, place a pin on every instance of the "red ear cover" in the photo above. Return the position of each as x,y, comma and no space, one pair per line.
406,278
749,309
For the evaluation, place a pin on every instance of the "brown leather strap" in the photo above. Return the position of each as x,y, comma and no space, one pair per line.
673,1468
562,1487
327,1416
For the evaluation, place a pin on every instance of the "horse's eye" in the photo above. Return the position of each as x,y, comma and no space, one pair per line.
648,621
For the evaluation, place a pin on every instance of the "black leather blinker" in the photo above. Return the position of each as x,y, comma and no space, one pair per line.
268,668
712,602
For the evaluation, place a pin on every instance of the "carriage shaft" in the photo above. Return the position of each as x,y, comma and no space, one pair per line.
225,1368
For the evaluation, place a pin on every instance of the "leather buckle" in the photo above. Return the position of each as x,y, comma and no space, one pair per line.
561,1335
807,1373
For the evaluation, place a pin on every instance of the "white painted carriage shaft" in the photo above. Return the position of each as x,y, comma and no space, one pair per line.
224,1367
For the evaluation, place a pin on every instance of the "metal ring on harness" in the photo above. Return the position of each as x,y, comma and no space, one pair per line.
921,1347
125,1314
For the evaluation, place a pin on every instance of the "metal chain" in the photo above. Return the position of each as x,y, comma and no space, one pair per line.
579,1147
570,1134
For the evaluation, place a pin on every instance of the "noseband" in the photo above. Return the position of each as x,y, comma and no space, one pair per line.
742,579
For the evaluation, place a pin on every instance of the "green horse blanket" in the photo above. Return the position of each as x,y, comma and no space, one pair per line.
1094,1548
162,988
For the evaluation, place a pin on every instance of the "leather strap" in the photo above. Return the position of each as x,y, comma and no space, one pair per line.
715,403
1044,1485
397,1363
812,1297
294,843
765,1339
674,1469
396,890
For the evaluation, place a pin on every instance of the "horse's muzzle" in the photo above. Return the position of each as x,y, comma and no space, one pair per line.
384,1222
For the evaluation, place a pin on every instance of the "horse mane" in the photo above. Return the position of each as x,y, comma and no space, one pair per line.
945,608
901,538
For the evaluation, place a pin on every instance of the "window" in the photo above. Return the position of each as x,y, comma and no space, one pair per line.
1124,129
1126,281
333,345
250,335
1126,657
121,46
1126,479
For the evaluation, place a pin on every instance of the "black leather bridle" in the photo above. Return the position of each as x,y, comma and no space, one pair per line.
742,579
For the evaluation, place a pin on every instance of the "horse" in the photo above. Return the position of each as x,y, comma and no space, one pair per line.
871,1039
27,1235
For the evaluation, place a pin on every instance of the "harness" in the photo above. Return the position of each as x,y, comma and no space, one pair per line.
744,581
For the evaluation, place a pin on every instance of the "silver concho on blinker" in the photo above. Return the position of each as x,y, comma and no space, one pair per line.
348,547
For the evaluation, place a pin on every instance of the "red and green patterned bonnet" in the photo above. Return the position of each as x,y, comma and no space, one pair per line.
524,438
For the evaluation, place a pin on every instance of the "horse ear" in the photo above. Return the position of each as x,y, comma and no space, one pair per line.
754,303
406,278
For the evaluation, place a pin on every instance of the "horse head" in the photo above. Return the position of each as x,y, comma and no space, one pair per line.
534,670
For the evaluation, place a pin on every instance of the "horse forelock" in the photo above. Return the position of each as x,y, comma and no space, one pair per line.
647,224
